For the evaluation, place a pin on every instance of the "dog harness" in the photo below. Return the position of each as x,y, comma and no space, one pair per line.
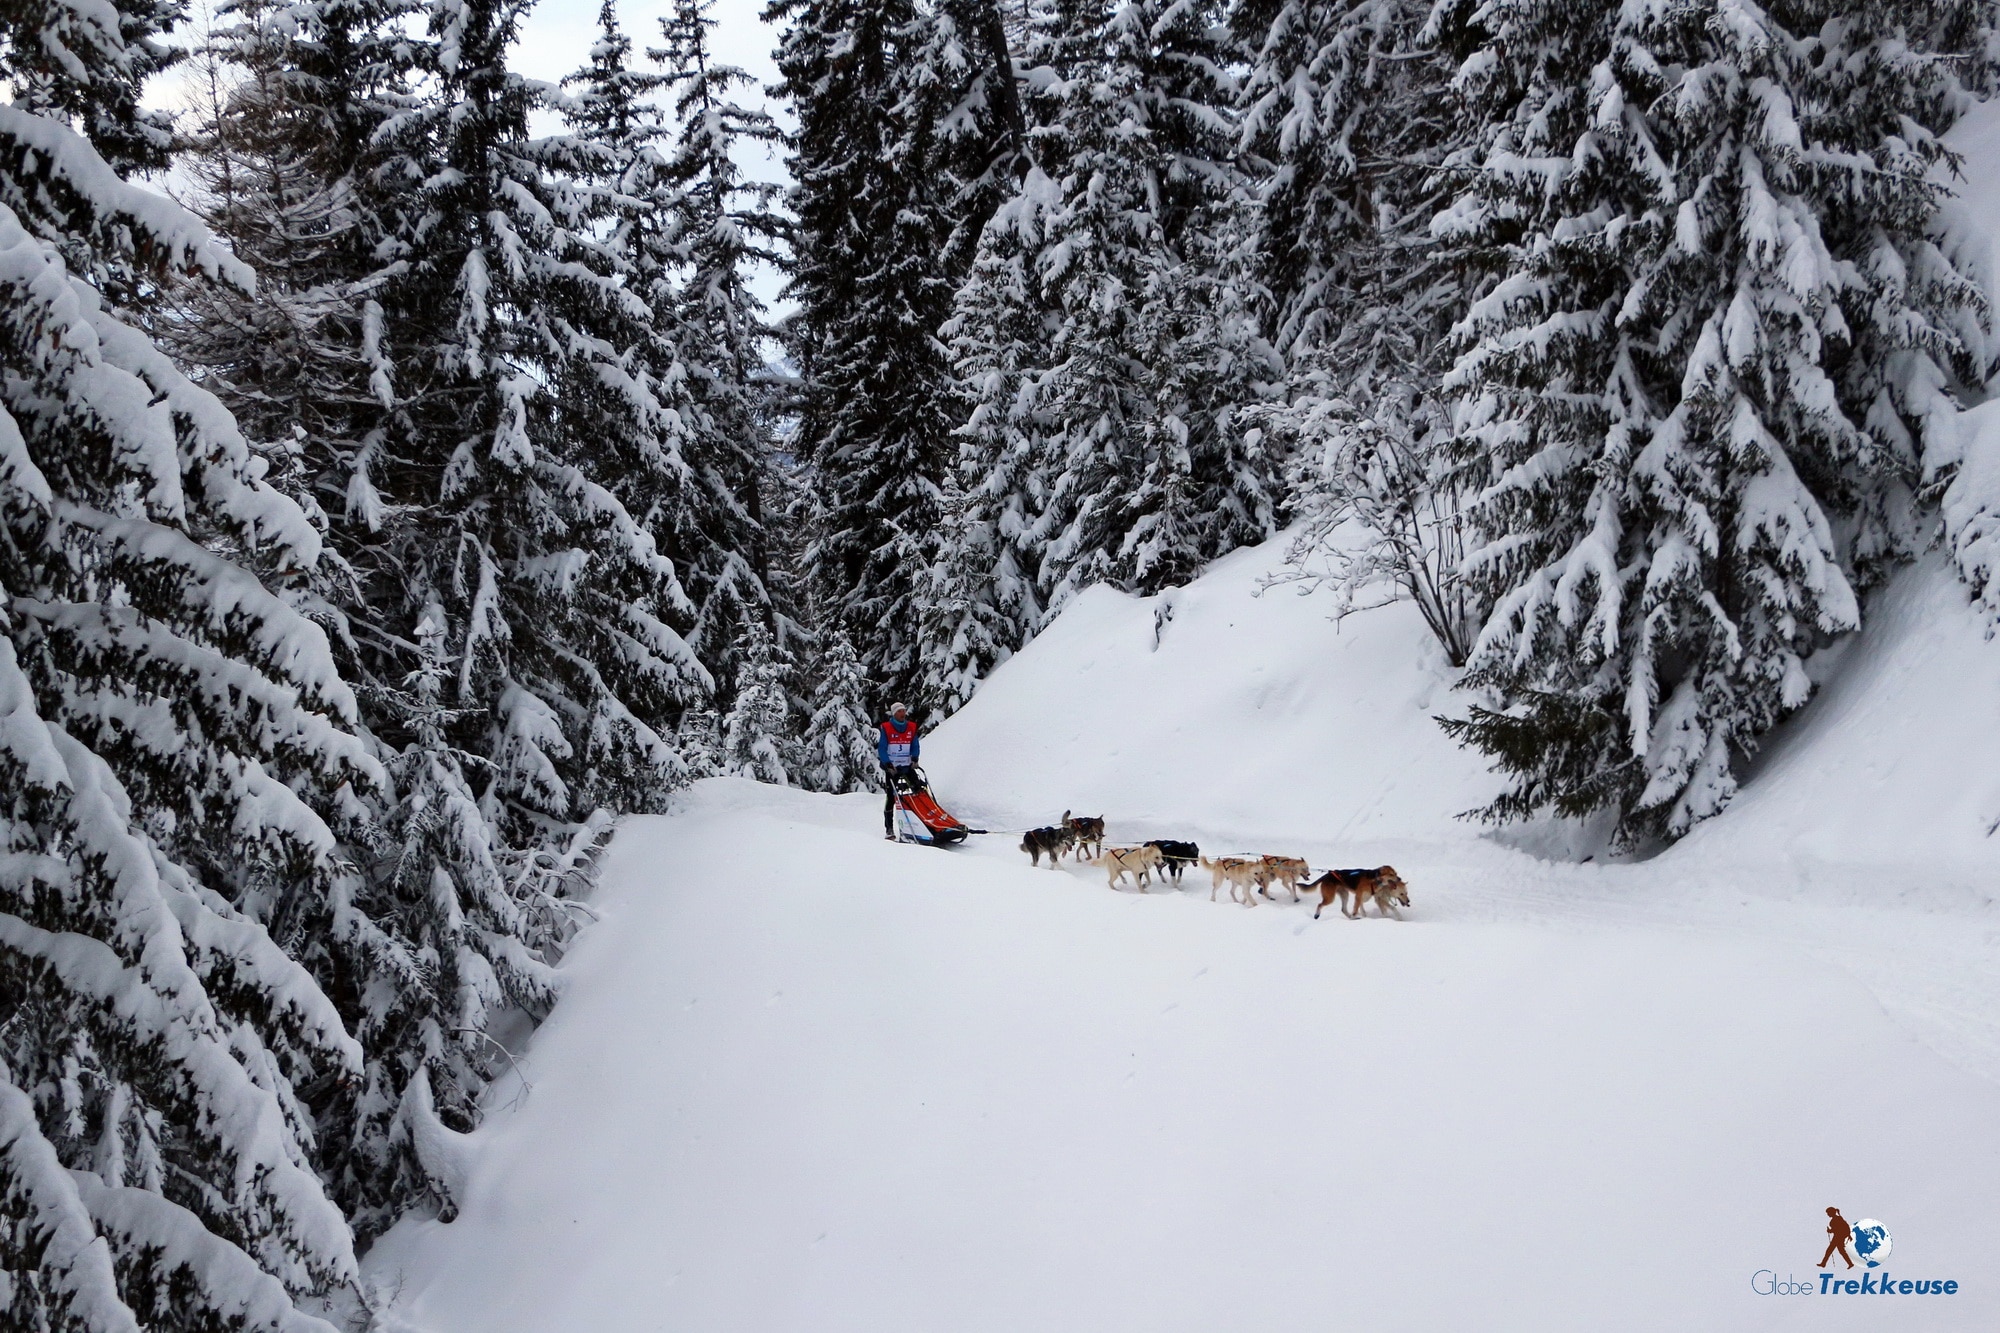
897,745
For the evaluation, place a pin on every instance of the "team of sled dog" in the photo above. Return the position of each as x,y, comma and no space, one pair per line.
1246,876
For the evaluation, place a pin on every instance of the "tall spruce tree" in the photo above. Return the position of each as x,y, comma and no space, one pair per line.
357,375
481,407
175,742
1104,338
838,754
1356,137
515,617
1697,396
720,226
963,632
758,739
881,135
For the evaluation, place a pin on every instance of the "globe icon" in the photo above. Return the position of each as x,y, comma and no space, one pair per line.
1871,1241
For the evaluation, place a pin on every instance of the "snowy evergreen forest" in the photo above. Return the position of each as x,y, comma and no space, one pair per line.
428,487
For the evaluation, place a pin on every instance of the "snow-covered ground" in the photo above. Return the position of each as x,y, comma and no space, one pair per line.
806,1080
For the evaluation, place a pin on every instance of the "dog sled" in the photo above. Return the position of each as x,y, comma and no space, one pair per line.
919,818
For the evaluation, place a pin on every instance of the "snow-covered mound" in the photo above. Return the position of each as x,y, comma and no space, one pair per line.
1212,707
1891,768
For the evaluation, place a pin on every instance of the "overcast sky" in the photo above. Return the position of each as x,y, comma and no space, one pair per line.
557,36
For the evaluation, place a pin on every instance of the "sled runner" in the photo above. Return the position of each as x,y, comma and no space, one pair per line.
919,816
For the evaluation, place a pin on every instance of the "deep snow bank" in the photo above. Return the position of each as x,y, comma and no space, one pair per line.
1890,772
1215,708
1212,707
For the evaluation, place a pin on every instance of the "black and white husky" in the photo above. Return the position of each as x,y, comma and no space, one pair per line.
1053,842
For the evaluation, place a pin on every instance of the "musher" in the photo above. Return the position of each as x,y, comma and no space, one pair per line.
896,746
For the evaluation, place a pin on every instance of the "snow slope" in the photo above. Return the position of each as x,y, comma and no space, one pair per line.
1212,707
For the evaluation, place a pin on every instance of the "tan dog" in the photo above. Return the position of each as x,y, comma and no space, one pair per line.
1138,862
1086,832
1382,886
1289,871
1243,874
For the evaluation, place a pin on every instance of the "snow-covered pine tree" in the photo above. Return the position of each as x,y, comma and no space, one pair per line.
1208,479
509,618
1355,134
344,381
1346,116
963,633
758,738
838,753
699,740
963,88
1919,321
1703,225
86,66
284,163
173,734
870,197
691,478
998,335
720,226
1104,337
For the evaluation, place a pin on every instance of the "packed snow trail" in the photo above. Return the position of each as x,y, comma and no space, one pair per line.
809,1080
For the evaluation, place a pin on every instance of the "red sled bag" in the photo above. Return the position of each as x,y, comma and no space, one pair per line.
918,814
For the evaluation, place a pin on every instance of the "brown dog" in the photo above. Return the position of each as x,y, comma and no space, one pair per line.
1086,831
1382,885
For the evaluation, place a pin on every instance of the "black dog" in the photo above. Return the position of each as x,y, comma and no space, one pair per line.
1176,856
1054,841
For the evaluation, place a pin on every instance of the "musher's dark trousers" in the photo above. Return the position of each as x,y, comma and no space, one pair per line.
889,799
